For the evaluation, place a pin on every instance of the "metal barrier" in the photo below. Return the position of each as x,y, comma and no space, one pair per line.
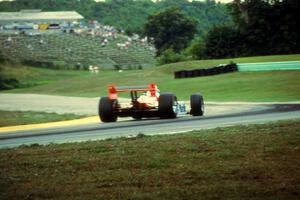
242,67
268,66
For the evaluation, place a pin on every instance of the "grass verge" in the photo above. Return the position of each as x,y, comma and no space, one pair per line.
33,76
241,162
12,118
196,64
241,86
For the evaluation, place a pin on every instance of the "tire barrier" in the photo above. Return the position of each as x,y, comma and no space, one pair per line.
206,72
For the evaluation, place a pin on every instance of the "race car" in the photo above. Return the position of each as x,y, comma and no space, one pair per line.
146,102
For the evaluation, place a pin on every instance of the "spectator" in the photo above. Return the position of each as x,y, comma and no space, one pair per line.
41,41
127,45
105,41
70,51
9,39
78,66
91,68
96,70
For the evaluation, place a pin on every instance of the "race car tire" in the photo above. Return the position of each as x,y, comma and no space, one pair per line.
197,105
222,69
182,74
190,74
105,110
201,72
137,117
166,106
207,72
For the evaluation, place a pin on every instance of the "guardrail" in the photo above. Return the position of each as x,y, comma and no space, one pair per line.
268,66
242,67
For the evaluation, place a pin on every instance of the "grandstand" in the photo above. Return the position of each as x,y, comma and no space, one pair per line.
71,47
27,18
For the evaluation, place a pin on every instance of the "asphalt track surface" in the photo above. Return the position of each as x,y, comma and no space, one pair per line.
130,128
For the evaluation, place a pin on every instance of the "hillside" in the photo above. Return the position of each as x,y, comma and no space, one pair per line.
129,15
54,49
239,86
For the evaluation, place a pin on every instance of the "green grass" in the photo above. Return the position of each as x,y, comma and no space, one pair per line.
241,86
33,76
11,118
241,162
209,63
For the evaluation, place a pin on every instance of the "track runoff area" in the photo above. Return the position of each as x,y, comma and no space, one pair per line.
128,127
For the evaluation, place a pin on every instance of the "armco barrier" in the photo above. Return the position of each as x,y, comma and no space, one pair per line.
206,72
268,66
243,67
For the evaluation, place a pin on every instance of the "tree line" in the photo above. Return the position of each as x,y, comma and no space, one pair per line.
260,27
193,30
129,15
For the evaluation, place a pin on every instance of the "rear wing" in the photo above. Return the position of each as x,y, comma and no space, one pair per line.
113,89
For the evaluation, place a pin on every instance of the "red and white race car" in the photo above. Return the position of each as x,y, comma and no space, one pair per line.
146,102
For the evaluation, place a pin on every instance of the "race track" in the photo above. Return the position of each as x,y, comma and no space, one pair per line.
128,128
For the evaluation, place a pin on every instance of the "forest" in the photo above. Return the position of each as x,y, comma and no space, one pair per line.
259,27
129,15
185,30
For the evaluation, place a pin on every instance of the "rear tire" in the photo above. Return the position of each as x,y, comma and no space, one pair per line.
137,117
167,106
105,110
197,105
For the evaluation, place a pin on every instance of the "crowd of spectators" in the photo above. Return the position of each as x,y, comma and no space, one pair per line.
10,39
107,36
105,33
108,33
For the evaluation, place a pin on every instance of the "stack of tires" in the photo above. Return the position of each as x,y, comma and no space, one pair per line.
206,72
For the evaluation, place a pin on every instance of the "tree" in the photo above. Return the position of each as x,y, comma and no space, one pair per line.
271,25
128,15
171,29
221,42
243,10
169,56
262,27
196,49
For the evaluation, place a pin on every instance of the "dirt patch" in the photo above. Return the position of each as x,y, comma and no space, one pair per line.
48,103
89,106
